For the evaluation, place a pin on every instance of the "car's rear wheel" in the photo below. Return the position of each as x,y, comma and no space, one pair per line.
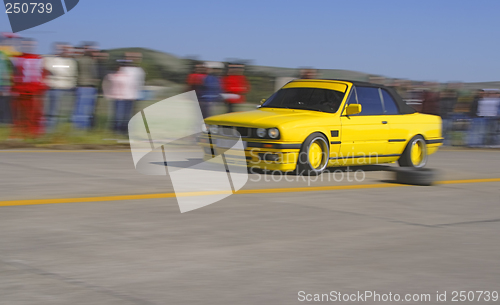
314,155
415,153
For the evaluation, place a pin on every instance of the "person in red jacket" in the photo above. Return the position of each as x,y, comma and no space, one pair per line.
27,88
235,86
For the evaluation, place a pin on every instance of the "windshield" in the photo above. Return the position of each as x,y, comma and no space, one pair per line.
315,99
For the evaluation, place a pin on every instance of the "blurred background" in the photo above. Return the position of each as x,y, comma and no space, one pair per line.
93,70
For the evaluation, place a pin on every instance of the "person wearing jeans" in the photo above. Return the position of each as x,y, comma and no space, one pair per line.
61,80
123,113
124,88
84,108
211,89
86,92
483,126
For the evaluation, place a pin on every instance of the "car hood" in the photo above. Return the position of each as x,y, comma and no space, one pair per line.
265,117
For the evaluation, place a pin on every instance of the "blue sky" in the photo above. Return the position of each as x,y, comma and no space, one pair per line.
423,40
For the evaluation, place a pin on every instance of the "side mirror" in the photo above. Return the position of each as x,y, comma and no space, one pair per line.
352,109
262,101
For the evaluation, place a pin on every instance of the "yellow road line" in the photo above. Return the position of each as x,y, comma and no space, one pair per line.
254,191
85,199
60,151
319,188
469,181
85,151
471,150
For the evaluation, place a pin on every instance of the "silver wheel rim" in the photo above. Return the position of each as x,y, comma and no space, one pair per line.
324,162
424,152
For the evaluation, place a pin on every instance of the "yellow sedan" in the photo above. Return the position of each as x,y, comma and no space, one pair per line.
309,125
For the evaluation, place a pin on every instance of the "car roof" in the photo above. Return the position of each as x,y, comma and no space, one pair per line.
403,107
354,82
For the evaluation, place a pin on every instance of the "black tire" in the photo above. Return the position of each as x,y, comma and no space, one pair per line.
415,176
304,166
406,158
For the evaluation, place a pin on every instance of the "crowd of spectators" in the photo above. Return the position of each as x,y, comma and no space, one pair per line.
470,117
33,87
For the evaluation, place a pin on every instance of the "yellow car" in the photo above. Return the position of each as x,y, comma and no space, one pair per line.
309,125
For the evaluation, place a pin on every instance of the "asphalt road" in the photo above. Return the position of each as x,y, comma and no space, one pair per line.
258,247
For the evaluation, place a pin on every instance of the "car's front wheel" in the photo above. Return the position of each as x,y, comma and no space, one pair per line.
314,155
415,153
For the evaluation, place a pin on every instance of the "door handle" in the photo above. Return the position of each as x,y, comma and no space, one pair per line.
384,122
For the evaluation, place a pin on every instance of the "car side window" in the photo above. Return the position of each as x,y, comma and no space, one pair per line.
369,99
390,106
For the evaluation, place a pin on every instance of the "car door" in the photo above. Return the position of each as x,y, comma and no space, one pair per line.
364,135
397,123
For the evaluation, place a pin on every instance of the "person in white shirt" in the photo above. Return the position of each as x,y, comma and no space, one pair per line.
488,106
124,87
61,79
485,125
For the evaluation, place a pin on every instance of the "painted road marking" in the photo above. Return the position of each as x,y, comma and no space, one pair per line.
254,191
85,151
60,151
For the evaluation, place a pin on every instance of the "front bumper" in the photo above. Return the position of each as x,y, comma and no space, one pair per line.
262,154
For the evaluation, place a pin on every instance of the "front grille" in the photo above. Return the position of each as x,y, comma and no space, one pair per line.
244,131
231,131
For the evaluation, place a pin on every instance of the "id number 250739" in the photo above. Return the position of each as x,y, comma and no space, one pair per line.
24,8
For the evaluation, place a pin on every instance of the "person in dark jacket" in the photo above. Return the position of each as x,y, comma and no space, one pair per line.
211,89
447,101
430,102
86,91
475,102
5,78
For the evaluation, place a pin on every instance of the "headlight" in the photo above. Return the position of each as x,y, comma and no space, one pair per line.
274,133
204,128
214,129
261,132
